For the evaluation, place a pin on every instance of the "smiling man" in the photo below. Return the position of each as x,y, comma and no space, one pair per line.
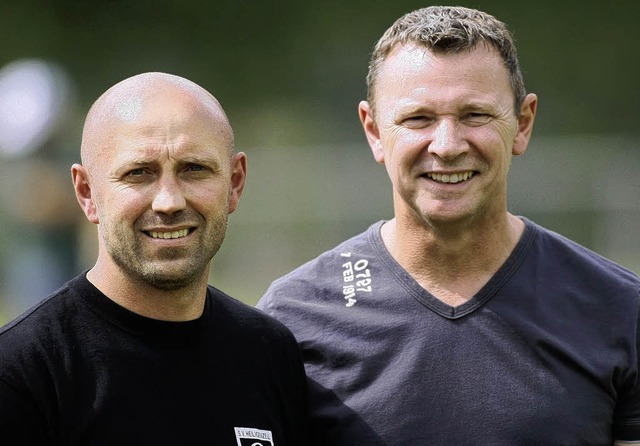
140,349
457,322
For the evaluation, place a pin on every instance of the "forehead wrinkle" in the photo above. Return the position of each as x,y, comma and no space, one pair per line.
144,153
176,155
407,65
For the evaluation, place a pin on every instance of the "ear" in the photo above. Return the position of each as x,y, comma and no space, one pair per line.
238,178
82,186
525,124
371,130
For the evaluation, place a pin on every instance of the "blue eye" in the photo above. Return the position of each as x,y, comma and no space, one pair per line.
136,172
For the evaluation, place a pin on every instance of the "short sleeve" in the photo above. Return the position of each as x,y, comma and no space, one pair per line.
626,425
20,421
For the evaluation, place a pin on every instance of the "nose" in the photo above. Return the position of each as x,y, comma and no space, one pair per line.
446,140
169,197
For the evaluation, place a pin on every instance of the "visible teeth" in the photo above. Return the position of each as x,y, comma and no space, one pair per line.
173,234
453,178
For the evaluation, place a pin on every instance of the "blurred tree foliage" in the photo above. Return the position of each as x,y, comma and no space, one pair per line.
290,75
291,72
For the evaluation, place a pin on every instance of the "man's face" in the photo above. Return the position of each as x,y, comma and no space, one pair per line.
445,128
162,187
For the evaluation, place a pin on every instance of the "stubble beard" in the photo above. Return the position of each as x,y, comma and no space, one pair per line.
128,254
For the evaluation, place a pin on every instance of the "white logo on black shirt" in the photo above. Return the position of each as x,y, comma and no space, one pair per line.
248,436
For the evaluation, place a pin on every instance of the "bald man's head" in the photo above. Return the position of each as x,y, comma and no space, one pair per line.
150,99
159,178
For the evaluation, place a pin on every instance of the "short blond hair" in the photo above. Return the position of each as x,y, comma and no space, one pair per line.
448,29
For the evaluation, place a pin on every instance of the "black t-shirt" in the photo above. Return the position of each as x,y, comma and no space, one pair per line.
80,369
546,353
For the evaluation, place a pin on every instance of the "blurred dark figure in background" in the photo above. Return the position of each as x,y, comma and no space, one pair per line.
457,322
39,218
139,349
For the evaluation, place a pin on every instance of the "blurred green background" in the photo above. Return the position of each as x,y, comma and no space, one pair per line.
290,75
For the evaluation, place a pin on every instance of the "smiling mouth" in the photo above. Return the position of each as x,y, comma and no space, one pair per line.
169,234
451,178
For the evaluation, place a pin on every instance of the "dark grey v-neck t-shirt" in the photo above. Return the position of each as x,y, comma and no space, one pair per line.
546,353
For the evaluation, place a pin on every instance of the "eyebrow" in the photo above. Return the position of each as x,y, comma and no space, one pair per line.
141,160
207,160
412,108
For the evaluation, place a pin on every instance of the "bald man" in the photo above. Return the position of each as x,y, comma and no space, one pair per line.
140,349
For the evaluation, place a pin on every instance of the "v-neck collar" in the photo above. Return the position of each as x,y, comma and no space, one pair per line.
427,299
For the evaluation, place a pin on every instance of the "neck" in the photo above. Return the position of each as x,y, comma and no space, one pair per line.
453,262
182,304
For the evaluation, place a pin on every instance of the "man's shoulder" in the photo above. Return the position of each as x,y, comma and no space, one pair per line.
312,273
325,283
241,317
38,335
565,253
40,319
